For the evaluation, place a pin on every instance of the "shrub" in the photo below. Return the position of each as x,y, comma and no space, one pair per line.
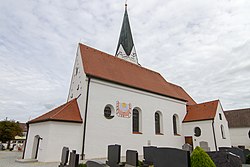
248,159
140,163
199,158
82,165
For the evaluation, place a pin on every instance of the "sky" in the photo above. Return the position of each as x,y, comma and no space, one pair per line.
203,46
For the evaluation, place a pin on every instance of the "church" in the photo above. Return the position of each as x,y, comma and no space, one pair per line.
114,100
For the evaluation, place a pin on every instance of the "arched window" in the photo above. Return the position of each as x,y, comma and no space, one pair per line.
136,121
175,124
158,122
222,132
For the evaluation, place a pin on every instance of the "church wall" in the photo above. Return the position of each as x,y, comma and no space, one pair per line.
240,136
206,132
220,140
55,135
102,131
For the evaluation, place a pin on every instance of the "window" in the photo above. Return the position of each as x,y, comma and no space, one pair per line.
197,131
249,134
158,123
222,132
220,116
136,121
175,124
109,112
77,69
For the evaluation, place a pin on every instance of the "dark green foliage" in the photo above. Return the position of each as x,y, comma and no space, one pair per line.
140,163
200,158
8,130
248,159
82,165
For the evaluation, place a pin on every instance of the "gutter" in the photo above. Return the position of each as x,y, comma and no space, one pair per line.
85,119
26,140
214,136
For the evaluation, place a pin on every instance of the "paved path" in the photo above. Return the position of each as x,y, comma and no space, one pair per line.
7,159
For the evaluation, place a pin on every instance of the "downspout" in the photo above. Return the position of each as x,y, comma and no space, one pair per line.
85,119
26,140
214,136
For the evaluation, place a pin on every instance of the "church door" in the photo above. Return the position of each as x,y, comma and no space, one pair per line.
189,140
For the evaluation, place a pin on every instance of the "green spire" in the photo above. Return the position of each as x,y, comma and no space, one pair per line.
126,41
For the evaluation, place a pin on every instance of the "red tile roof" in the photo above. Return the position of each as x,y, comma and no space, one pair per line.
203,111
68,112
110,68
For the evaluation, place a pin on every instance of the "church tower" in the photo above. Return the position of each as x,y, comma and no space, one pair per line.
125,48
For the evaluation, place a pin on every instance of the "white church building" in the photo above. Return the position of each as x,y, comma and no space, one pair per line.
114,100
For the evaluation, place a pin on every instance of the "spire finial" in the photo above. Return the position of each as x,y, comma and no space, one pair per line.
126,4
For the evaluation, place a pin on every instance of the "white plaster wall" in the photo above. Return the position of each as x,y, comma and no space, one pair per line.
206,133
77,78
101,131
226,142
239,136
55,135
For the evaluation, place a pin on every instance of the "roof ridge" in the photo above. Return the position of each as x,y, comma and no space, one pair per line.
67,104
206,102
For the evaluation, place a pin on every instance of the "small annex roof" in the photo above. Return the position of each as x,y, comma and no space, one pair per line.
68,112
238,118
202,111
110,68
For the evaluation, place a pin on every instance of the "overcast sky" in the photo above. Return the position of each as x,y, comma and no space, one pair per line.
203,46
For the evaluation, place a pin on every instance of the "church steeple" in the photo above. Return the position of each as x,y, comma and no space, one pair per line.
125,48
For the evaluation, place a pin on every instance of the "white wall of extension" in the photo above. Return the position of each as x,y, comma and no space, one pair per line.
55,135
240,136
102,131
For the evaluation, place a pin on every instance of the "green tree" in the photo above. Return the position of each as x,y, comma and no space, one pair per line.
8,131
199,158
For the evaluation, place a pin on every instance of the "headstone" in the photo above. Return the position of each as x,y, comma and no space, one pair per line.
64,157
242,147
172,157
1,146
149,155
131,158
246,152
114,155
225,159
93,163
204,146
236,151
73,159
187,147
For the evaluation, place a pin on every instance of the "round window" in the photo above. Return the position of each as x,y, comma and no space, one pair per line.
108,112
197,131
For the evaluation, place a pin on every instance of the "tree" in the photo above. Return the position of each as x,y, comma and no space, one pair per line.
200,158
8,131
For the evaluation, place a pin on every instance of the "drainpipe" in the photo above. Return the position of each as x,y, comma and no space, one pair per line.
25,144
85,120
214,136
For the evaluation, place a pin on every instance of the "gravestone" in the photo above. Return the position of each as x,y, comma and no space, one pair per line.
73,159
114,155
64,157
93,163
1,146
204,146
131,158
246,152
172,157
236,151
149,154
187,147
225,159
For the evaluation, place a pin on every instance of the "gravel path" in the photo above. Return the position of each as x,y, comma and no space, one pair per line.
7,159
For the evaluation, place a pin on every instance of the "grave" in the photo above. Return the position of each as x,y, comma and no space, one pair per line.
204,146
236,151
64,157
225,159
73,159
114,154
149,155
187,147
131,158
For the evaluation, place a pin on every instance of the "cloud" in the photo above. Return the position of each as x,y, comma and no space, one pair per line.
202,46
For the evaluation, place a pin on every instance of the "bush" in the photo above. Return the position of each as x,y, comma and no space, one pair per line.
140,163
248,159
199,158
82,165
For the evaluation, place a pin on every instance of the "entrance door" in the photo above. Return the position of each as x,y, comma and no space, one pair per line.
37,139
189,140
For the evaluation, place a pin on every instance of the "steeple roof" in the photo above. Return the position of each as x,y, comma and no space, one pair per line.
126,39
125,47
